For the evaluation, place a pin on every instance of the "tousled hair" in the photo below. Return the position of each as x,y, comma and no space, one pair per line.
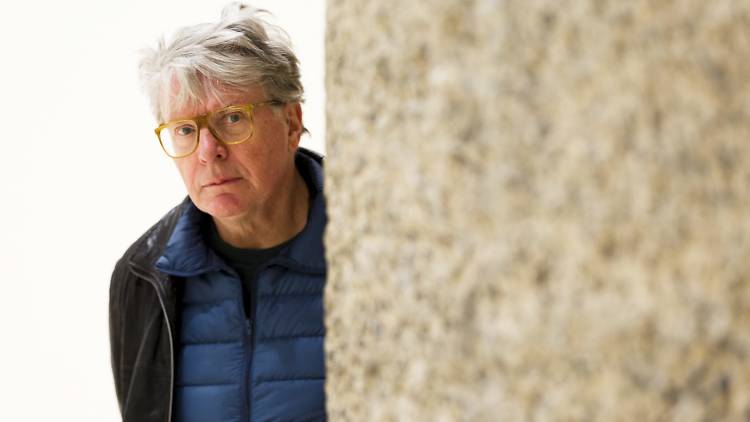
240,51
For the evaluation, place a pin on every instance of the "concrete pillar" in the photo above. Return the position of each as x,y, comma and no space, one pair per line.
539,210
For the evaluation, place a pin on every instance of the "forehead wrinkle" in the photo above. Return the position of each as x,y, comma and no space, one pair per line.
212,100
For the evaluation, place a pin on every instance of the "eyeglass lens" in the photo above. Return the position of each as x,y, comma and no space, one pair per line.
228,125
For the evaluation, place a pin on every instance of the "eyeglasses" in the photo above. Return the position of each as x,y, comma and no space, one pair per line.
231,125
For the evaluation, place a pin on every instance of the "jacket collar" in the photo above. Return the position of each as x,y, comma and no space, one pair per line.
186,253
306,252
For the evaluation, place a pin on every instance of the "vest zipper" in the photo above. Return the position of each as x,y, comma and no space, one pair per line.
249,347
251,337
155,284
248,369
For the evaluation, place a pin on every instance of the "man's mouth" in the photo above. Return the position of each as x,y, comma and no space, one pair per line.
221,181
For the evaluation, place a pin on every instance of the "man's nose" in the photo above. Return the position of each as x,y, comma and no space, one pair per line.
210,148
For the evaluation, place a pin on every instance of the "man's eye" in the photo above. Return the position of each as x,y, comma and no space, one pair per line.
233,117
184,131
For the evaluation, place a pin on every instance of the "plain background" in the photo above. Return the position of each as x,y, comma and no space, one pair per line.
82,176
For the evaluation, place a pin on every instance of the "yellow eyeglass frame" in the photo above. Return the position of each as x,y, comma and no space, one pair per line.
203,121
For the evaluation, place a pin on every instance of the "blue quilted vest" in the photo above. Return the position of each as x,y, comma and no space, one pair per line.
268,366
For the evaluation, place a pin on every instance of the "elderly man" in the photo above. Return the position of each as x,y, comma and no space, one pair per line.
216,312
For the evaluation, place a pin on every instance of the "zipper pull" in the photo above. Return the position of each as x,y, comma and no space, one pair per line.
249,327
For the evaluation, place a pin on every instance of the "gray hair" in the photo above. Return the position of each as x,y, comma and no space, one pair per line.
240,51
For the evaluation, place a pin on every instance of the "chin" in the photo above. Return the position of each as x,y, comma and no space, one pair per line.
221,206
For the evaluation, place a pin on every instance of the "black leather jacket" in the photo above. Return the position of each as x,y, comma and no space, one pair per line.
142,321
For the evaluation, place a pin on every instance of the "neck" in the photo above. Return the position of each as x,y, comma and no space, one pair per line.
271,223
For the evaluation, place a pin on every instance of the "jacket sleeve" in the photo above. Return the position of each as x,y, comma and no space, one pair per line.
116,287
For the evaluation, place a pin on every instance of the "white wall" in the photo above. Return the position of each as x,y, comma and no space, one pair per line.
82,175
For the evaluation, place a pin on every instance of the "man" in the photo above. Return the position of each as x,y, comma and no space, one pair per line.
216,312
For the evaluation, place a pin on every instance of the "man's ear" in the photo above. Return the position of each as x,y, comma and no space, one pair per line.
294,124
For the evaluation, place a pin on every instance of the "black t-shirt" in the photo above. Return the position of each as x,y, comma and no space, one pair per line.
246,262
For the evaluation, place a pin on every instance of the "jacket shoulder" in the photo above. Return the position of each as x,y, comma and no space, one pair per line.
150,245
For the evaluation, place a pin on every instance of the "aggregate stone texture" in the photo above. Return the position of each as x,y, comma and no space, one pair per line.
539,210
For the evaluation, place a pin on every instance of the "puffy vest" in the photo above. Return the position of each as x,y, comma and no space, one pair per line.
268,366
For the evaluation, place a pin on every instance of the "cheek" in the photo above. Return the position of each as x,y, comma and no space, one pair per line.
271,130
187,172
